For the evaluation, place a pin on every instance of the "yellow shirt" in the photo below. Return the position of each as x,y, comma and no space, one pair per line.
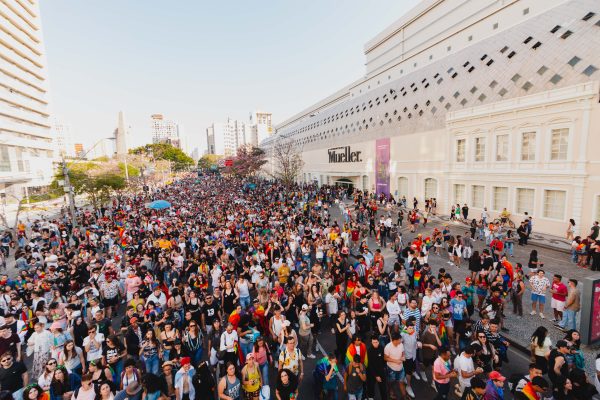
284,273
252,375
164,244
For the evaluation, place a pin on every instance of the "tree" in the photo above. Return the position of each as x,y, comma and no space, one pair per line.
287,160
4,220
165,151
248,161
208,160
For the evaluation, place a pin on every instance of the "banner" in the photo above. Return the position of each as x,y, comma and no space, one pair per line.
382,166
595,317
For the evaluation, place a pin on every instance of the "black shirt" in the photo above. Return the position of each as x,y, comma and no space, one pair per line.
210,312
11,378
376,363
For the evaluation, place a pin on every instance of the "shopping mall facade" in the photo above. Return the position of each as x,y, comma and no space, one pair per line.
493,103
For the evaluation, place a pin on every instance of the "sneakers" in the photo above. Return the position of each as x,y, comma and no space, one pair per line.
423,376
416,376
532,313
311,356
410,391
303,358
542,316
433,385
554,320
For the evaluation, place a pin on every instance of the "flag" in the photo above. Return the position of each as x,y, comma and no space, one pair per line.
529,392
350,286
351,352
443,334
417,278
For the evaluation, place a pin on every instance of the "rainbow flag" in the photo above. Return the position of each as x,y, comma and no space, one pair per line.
417,278
351,352
350,286
443,334
529,392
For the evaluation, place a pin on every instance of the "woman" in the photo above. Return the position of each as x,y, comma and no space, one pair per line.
136,301
192,342
39,343
564,392
230,387
251,378
263,357
149,352
151,385
534,263
114,354
486,357
342,333
383,328
100,373
540,346
45,379
193,305
63,384
518,289
287,385
35,392
376,305
72,358
509,242
106,392
574,358
175,303
204,382
229,299
167,338
59,339
571,229
130,374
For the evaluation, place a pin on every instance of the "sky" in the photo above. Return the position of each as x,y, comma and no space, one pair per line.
198,62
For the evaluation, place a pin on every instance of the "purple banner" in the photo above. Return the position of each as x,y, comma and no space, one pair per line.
382,166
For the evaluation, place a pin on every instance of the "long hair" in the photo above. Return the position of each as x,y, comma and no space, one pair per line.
539,335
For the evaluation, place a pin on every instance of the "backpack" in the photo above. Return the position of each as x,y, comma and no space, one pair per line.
514,380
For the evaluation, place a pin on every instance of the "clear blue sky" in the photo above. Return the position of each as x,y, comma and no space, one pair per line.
201,61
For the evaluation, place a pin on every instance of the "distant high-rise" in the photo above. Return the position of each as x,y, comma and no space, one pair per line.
63,139
165,131
120,138
261,126
26,145
225,138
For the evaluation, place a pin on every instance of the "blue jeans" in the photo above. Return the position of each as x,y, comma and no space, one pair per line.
264,371
152,364
247,347
244,302
117,369
197,356
509,247
569,320
356,395
574,256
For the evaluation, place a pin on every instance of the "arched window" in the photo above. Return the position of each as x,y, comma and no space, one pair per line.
402,187
430,188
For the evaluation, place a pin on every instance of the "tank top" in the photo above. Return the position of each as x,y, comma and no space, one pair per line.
243,289
252,374
376,305
233,389
277,326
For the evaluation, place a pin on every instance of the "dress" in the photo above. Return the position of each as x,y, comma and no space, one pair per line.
40,344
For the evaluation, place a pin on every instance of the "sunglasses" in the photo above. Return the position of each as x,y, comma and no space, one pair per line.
51,363
6,359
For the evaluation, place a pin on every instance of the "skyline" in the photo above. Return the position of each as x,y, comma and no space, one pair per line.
200,63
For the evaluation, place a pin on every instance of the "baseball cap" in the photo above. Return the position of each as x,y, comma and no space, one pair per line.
497,376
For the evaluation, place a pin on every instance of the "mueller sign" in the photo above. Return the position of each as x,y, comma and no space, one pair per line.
343,155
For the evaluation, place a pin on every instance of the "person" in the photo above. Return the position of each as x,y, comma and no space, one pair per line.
572,307
130,374
570,229
287,385
540,348
411,344
13,375
538,284
354,378
40,343
10,342
533,389
132,392
466,370
184,389
558,368
87,390
393,355
305,336
251,378
494,389
342,333
475,391
229,338
442,373
35,392
63,384
204,382
326,381
290,358
559,296
534,370
376,375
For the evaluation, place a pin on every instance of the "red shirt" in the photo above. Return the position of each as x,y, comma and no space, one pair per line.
561,291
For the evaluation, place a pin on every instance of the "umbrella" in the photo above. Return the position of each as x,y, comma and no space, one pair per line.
159,205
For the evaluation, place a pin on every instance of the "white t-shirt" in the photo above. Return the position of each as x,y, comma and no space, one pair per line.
332,304
394,352
95,353
393,308
465,364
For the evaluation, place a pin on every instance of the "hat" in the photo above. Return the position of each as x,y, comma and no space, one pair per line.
562,343
540,381
133,388
497,376
56,325
468,279
286,323
304,307
133,320
184,361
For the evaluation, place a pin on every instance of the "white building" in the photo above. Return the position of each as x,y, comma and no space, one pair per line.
485,102
164,131
224,138
26,148
63,139
262,126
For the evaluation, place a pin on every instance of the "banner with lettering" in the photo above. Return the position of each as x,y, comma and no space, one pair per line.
382,166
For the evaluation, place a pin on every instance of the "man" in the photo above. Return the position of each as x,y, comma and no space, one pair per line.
103,325
442,373
10,342
393,309
559,296
283,272
229,338
158,298
465,212
376,369
184,389
110,291
357,347
538,284
533,390
595,231
476,391
13,375
572,307
484,216
93,344
305,336
133,338
291,358
466,370
325,377
393,355
493,388
558,369
534,370
210,312
354,379
410,342
412,311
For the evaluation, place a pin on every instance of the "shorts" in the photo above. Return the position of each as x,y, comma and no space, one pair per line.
111,302
395,376
558,305
409,366
538,297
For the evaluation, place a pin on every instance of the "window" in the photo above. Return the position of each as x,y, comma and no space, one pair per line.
430,188
459,194
402,187
525,199
500,200
502,148
365,182
556,78
477,193
554,204
528,146
559,144
480,149
4,159
460,150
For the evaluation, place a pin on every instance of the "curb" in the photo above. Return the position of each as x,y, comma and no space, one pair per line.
548,246
516,345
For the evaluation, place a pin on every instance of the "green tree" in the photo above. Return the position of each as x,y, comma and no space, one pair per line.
208,160
165,151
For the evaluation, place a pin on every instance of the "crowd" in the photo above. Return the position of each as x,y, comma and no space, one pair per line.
224,294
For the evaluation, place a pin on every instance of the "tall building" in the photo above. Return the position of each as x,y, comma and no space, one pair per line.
165,131
485,102
261,125
225,138
26,148
63,140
